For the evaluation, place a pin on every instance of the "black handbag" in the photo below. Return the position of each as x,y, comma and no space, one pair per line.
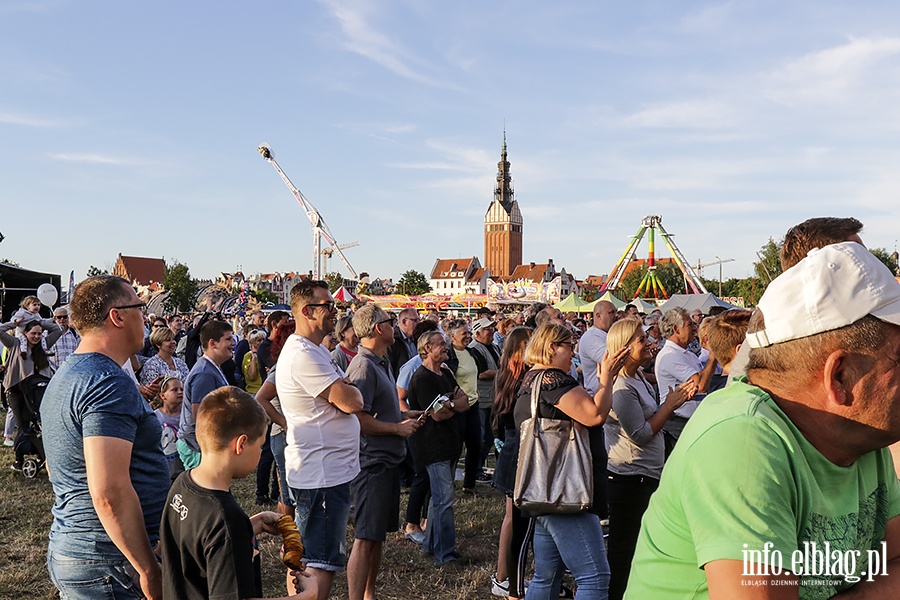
555,474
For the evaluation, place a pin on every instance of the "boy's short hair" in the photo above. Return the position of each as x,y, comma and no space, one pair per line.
227,413
726,331
213,330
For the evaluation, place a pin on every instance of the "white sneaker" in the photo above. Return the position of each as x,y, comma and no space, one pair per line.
8,442
499,588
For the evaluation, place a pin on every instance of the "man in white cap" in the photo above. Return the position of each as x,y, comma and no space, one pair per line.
782,485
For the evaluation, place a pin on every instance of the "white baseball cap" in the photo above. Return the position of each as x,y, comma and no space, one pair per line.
481,324
831,288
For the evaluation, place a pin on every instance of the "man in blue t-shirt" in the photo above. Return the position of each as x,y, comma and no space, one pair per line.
102,441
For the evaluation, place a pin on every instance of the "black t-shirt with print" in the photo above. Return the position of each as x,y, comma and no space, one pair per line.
207,545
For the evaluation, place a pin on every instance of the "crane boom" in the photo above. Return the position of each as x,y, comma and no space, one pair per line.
319,227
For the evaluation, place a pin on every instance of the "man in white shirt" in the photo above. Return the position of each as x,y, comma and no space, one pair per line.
675,364
592,345
322,453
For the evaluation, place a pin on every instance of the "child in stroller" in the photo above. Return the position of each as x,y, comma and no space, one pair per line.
26,357
29,446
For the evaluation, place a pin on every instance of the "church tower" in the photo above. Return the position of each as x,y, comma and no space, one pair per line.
503,224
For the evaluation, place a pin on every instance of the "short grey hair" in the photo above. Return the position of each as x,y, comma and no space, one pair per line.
454,325
673,319
60,309
257,335
424,340
365,318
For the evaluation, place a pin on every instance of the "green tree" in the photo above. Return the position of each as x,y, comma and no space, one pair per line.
335,281
264,296
412,283
181,288
669,276
769,265
884,256
94,271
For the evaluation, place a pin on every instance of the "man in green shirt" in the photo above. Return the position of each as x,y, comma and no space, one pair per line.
781,485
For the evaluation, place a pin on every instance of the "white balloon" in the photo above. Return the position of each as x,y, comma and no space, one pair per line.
47,294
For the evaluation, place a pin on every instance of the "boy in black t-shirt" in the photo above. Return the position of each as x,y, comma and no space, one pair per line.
207,541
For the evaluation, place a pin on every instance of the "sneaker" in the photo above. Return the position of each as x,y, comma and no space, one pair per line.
16,466
485,478
499,588
9,443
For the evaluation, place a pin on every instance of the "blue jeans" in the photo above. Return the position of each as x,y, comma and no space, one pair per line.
574,541
440,534
322,516
88,579
278,443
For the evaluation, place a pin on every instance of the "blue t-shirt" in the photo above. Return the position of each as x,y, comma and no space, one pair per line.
90,396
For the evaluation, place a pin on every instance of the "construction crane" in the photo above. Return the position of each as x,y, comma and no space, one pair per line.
651,282
718,261
328,252
319,229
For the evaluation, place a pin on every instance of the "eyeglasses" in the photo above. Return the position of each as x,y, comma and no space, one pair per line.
160,326
140,305
390,320
327,305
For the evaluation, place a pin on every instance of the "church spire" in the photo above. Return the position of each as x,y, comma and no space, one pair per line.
504,193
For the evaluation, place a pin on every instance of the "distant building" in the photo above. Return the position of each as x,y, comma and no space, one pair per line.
451,276
503,224
145,274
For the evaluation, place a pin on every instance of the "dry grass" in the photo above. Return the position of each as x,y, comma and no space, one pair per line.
405,572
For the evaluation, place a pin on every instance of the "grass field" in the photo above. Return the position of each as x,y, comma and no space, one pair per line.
405,572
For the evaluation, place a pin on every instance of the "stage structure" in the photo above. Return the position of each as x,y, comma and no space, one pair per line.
650,225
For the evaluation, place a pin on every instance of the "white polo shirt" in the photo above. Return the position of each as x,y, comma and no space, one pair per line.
674,366
322,442
591,348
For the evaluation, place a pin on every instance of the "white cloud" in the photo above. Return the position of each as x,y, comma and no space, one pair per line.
95,159
695,114
29,121
838,74
363,38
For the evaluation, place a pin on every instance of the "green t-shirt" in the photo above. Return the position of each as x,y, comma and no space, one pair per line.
742,475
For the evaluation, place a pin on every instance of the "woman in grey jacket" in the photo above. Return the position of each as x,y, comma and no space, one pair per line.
26,355
634,443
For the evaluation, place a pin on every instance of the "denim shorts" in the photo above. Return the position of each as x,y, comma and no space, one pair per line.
322,516
89,579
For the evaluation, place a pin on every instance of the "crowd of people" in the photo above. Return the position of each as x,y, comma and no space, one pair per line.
712,437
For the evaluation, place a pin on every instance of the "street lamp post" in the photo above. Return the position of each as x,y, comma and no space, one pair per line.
720,276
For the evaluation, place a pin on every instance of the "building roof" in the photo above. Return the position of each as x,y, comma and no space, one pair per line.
477,274
529,272
144,270
449,267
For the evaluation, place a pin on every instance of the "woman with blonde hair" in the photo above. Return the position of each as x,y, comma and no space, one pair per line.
572,540
634,444
164,362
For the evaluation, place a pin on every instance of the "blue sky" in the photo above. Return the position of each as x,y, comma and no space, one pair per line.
132,127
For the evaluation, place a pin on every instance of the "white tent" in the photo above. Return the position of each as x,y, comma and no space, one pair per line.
691,302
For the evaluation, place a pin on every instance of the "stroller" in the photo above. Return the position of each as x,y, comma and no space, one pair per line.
29,443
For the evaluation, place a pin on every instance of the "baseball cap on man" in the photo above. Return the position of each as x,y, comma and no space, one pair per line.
481,324
831,288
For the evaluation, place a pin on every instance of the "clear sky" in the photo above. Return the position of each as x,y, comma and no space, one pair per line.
132,127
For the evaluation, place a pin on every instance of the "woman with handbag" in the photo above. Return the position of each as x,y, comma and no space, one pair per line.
555,479
635,446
